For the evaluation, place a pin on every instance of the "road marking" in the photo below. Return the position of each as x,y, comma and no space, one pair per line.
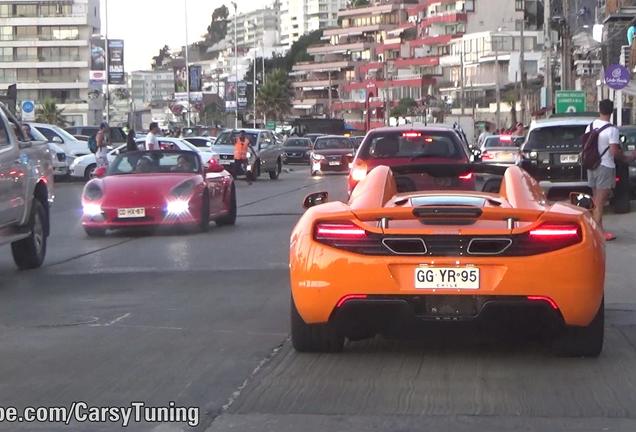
115,321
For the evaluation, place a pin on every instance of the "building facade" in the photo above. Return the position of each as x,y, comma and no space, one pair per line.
45,49
258,27
147,87
299,17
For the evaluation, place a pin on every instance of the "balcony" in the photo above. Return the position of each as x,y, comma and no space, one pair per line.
307,103
369,10
67,20
323,67
432,40
613,7
352,31
421,61
338,49
314,84
444,18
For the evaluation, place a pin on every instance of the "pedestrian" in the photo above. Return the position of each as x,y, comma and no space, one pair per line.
103,143
602,179
241,147
131,143
520,131
152,143
482,137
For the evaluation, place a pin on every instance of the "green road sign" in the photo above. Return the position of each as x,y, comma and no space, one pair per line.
570,102
271,125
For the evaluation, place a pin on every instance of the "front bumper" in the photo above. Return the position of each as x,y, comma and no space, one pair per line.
154,217
572,277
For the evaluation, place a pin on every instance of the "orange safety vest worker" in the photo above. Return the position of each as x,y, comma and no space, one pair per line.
240,148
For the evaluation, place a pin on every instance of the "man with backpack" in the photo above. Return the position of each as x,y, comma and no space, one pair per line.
601,148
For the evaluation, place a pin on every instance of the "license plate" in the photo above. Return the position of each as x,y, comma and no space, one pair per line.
131,213
334,163
463,278
226,162
569,159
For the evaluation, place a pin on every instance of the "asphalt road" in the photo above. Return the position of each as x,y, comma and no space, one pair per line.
202,320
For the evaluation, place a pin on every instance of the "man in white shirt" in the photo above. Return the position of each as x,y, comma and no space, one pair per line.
486,133
603,179
152,143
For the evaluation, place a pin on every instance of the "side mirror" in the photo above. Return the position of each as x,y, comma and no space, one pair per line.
214,167
99,172
582,200
315,199
58,140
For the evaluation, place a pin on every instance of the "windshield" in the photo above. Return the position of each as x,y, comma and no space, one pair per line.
555,137
227,138
198,142
297,142
412,144
496,141
333,143
148,162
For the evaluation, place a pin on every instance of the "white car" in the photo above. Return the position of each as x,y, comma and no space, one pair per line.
60,159
83,167
201,142
56,135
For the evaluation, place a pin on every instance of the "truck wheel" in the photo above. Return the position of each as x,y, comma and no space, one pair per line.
313,337
276,172
29,253
582,341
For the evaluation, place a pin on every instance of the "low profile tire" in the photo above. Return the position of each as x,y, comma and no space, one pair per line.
29,253
313,337
582,341
204,224
230,218
90,170
95,232
276,173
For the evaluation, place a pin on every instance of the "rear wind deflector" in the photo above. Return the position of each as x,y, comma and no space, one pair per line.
447,215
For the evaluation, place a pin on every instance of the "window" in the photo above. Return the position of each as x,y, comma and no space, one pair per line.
26,10
519,5
6,54
6,33
26,54
5,11
469,6
8,76
27,75
26,33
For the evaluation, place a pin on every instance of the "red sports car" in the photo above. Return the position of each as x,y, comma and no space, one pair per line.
157,188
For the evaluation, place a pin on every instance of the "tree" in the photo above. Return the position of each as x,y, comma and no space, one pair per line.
49,113
274,97
217,30
162,58
405,108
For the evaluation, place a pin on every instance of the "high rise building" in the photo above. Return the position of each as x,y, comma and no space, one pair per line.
257,27
147,87
45,48
299,17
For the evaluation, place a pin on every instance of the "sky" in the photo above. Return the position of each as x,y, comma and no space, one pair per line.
147,25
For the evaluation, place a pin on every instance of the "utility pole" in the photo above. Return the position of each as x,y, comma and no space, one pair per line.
547,17
522,71
566,48
462,78
187,60
330,111
497,83
235,67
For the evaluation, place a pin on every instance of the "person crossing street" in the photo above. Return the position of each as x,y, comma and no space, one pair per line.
241,163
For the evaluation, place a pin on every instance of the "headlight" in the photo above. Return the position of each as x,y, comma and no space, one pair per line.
534,155
178,207
359,173
249,155
93,192
92,210
317,156
184,190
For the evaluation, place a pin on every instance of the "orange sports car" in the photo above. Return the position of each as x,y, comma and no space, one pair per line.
399,254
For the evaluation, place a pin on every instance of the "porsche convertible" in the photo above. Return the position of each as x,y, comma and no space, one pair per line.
398,254
158,188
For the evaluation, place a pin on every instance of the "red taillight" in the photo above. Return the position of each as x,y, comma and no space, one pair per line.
486,156
411,134
468,176
555,231
339,231
545,299
618,179
505,138
346,298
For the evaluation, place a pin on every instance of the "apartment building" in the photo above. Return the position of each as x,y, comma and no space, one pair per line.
391,50
299,17
45,49
151,86
257,27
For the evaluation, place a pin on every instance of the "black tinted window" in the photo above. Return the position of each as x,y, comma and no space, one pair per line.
227,138
295,142
333,143
554,137
48,133
412,144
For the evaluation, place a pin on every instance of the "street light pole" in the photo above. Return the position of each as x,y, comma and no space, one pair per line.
235,67
107,93
254,80
497,83
522,71
187,60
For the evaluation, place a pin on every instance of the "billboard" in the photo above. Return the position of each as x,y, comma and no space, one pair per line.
234,92
196,82
180,79
97,74
116,62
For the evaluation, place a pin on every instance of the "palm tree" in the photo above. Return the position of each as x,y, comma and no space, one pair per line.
49,113
274,97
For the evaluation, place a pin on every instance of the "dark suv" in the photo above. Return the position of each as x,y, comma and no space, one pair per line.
551,155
